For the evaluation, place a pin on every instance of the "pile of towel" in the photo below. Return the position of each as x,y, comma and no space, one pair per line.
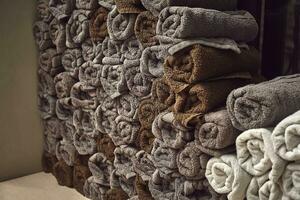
132,96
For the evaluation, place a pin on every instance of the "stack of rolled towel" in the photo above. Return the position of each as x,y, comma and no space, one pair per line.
132,96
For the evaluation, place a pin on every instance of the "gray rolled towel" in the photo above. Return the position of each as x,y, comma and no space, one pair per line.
111,50
57,31
127,106
64,109
124,161
120,26
97,49
77,29
43,10
50,61
50,143
264,104
84,120
143,165
179,22
64,83
109,4
89,73
72,59
88,50
119,182
42,35
94,190
86,142
69,132
53,127
84,96
46,83
66,151
131,49
46,105
101,168
61,9
86,4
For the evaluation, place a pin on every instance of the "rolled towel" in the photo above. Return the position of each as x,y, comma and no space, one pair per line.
77,29
90,73
50,143
41,35
255,185
66,151
142,189
61,9
46,83
167,129
120,26
98,25
87,48
84,120
64,109
226,177
199,63
129,6
101,168
116,194
290,180
63,174
162,93
270,191
137,83
50,61
124,161
57,31
112,51
145,29
93,190
48,162
84,96
256,154
147,112
143,165
64,83
43,10
286,137
86,4
108,4
80,174
179,22
86,142
53,127
145,139
215,134
46,105
72,59
127,106
192,162
152,60
97,48
69,132
131,49
113,80
264,104
106,146
123,184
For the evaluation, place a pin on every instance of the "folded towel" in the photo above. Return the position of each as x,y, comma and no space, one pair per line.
85,142
84,120
86,4
121,183
57,31
286,137
255,185
131,49
63,174
162,93
112,52
61,9
43,10
98,25
226,177
101,168
48,162
179,22
192,162
142,189
256,154
167,129
46,83
145,29
120,26
46,105
124,161
199,63
87,48
90,73
106,146
53,127
145,139
84,96
264,104
72,59
215,134
137,83
129,6
80,174
143,165
64,109
42,35
93,190
77,28
64,83
290,180
152,60
127,106
66,151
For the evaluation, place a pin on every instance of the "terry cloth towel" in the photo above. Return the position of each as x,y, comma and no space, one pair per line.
90,73
46,83
46,105
69,132
116,194
72,59
50,143
179,22
106,146
93,190
80,174
270,191
264,104
142,189
84,96
57,31
145,139
143,165
192,162
53,127
145,29
255,184
168,130
48,162
97,49
42,35
290,180
50,61
43,10
162,93
124,161
226,177
63,174
137,83
286,138
129,6
101,168
66,151
256,154
199,63
77,28
98,25
127,106
64,83
118,181
205,96
155,6
84,120
147,112
61,9
86,4
153,59
86,142
87,48
64,109
214,133
111,50
120,26
131,49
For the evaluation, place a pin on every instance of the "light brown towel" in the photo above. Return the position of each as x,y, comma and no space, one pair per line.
144,28
162,93
106,146
48,162
63,174
129,6
142,189
145,139
97,25
80,174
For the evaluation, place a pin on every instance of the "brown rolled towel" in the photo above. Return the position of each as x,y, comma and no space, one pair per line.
115,194
142,189
129,6
199,63
106,146
80,174
63,174
144,29
97,25
48,162
147,112
145,139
